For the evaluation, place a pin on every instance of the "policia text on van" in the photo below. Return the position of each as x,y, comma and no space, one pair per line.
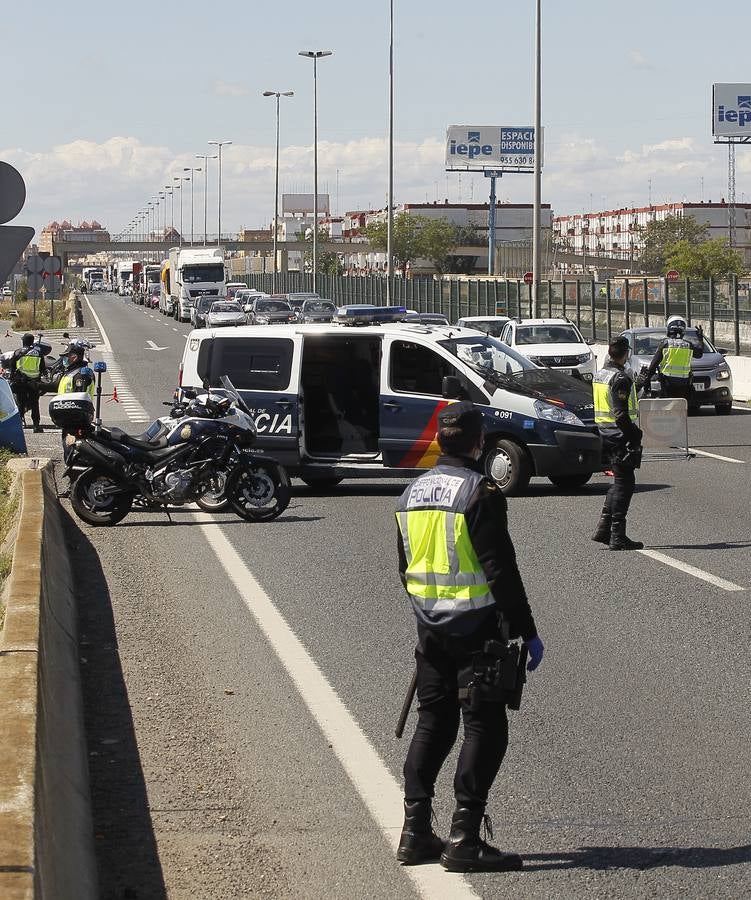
333,402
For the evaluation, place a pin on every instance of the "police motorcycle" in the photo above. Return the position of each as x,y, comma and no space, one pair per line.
211,437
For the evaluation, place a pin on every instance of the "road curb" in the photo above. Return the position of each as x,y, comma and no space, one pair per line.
46,839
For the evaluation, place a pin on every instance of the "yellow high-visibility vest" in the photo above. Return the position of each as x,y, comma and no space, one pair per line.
602,388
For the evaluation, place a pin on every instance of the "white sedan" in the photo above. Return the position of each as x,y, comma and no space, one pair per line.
224,313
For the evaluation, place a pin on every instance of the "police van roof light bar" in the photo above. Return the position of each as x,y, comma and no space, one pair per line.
369,315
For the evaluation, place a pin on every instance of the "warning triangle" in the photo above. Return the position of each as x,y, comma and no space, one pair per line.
14,239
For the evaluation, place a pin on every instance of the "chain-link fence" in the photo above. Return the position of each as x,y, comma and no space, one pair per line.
601,309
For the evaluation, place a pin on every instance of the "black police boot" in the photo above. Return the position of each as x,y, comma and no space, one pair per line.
618,539
466,851
602,532
418,843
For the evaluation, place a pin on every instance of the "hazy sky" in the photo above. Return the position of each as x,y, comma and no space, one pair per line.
103,103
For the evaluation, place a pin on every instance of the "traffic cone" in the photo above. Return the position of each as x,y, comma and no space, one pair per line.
7,333
114,398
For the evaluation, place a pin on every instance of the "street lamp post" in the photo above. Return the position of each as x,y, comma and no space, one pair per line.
536,215
205,157
390,211
192,170
171,191
162,196
219,145
276,94
315,55
179,187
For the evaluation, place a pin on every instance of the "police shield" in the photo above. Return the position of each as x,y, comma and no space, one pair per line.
664,423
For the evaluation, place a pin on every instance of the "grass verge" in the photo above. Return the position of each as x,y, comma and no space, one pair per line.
28,321
8,510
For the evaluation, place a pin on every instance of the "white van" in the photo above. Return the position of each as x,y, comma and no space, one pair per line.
340,400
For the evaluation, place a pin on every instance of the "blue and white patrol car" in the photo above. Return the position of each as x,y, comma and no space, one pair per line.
360,397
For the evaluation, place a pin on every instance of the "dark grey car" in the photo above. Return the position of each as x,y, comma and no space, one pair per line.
316,311
269,311
712,380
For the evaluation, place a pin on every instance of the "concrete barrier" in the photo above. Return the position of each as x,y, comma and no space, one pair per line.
46,838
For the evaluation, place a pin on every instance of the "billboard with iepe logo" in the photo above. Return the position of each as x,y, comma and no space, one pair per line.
507,147
731,110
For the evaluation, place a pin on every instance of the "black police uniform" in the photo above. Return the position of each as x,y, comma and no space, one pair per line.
25,389
447,643
622,452
672,387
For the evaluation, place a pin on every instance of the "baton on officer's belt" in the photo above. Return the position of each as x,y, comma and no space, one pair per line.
406,706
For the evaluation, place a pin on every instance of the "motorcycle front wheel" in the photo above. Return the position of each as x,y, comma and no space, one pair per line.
92,501
257,492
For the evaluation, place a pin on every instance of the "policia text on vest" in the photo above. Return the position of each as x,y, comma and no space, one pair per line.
458,566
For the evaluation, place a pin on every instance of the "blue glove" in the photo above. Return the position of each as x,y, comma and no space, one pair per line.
536,650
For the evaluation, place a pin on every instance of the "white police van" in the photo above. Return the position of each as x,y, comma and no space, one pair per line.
360,397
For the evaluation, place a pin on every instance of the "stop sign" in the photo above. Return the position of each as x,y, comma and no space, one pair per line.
673,275
528,277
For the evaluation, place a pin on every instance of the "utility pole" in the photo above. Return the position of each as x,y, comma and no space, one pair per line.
536,214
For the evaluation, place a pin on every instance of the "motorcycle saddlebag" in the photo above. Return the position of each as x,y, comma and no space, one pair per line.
72,410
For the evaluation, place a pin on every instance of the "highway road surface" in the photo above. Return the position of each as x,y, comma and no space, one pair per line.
243,680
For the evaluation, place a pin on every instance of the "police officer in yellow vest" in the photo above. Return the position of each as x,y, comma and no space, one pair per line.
458,565
672,359
77,378
26,369
616,415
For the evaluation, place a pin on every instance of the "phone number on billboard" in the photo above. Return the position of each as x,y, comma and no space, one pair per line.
517,160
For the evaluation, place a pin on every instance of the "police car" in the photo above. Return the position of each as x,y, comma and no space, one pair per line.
360,397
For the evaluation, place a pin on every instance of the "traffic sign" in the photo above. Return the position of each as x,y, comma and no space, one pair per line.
673,275
529,277
493,173
34,263
34,282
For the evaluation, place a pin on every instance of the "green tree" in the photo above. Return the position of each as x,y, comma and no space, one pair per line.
405,238
713,258
328,262
436,240
659,236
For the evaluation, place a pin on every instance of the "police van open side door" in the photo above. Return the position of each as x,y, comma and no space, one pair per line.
411,397
266,372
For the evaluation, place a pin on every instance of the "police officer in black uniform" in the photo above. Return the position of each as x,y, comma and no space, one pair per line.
26,369
616,414
458,565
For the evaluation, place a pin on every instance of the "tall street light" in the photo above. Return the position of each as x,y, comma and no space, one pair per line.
315,55
219,145
276,94
205,157
182,179
171,191
192,170
537,163
162,196
390,212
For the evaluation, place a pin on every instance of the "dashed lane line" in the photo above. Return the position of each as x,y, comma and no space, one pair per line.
368,773
692,570
729,459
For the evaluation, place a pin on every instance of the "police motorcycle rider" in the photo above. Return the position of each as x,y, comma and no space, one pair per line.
616,415
458,565
26,369
77,377
672,360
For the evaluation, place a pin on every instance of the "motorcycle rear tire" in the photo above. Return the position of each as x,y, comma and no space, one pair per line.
84,503
258,492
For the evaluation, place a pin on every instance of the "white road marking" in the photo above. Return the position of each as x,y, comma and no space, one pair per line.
692,570
729,459
372,780
106,344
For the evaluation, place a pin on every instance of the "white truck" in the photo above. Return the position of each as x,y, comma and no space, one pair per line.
193,273
125,276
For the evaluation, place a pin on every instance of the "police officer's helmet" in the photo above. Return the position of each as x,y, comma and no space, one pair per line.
676,326
28,340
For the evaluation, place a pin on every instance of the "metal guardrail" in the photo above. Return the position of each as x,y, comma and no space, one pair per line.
600,309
